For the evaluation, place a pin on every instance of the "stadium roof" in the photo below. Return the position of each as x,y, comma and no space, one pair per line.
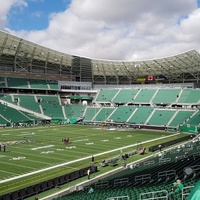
18,55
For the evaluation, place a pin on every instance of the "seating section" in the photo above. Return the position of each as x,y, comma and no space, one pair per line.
141,115
53,85
17,82
3,121
13,115
38,84
8,98
189,95
74,110
195,120
51,106
138,104
181,117
122,113
106,95
166,95
103,114
161,117
28,102
145,95
25,83
2,82
125,95
90,112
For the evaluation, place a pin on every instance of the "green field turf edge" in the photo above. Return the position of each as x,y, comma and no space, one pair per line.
33,179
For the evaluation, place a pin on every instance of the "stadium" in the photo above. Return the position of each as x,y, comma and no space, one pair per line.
134,124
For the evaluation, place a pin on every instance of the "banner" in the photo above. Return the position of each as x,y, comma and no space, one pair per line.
150,78
141,79
160,77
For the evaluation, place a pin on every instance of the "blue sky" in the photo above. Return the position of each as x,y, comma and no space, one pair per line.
106,29
36,15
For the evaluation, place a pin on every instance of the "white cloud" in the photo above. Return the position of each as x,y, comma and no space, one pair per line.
121,29
5,7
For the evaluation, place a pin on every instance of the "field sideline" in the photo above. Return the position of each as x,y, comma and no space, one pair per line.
38,149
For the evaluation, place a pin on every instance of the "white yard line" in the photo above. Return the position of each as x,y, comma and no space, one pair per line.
81,159
8,172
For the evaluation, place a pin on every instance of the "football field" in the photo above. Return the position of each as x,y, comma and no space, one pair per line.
39,153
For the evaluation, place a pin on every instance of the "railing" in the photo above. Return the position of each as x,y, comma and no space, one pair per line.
104,184
121,182
119,198
143,178
167,173
186,192
150,162
156,195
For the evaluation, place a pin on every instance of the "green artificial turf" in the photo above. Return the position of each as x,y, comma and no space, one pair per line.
36,148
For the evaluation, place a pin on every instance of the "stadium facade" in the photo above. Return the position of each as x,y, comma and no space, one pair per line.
41,84
55,86
22,58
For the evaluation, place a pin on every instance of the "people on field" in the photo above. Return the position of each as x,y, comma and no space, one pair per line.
88,173
92,159
66,140
142,151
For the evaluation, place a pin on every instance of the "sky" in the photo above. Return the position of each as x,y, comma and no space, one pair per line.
106,29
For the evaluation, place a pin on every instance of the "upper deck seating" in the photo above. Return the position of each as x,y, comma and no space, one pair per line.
125,95
2,82
53,85
166,95
38,84
189,95
145,95
17,82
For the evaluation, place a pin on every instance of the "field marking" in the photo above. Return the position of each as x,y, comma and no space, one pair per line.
43,147
14,164
33,128
26,134
8,172
81,159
